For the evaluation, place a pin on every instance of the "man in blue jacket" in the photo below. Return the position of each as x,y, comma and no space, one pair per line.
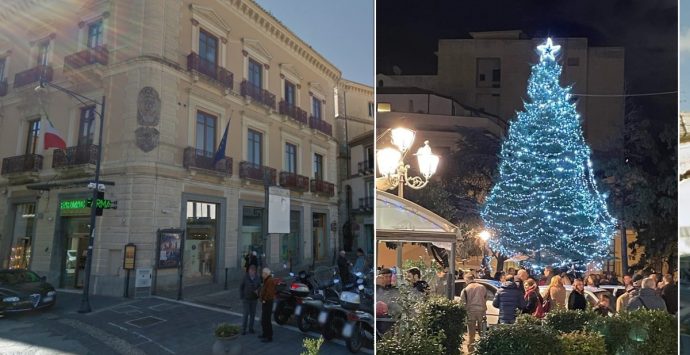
509,300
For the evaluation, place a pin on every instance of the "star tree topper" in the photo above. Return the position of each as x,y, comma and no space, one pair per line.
548,50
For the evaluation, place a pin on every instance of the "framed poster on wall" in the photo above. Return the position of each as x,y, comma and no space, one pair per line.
169,248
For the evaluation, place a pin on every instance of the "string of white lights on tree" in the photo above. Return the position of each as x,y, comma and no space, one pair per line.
545,204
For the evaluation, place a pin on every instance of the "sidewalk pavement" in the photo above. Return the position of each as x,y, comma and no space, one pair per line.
152,325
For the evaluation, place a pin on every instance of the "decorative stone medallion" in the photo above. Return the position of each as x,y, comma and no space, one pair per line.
147,138
148,107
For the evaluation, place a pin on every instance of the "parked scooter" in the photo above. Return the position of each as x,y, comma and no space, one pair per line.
333,318
359,329
308,311
288,296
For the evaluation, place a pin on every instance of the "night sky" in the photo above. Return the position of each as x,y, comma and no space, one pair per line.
408,32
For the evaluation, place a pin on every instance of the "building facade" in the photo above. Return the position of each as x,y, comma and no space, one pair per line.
489,73
355,132
174,74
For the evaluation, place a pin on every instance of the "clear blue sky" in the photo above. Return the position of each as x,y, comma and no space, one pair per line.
684,48
341,31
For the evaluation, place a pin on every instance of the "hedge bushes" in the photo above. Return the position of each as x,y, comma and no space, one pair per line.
447,316
519,339
642,332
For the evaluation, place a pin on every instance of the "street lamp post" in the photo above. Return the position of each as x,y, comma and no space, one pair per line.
85,306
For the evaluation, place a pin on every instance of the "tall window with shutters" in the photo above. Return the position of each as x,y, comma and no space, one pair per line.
205,133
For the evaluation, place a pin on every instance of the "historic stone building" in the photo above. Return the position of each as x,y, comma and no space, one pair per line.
174,74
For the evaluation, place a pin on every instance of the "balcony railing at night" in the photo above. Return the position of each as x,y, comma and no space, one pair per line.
322,187
22,164
3,87
210,70
258,94
320,125
292,111
366,203
294,181
251,171
201,159
74,156
365,167
33,75
97,55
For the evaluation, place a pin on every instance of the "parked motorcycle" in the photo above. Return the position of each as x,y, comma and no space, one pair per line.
288,296
333,318
308,311
359,328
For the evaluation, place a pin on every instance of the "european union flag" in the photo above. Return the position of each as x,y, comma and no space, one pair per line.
220,153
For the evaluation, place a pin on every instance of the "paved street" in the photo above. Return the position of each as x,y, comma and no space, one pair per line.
143,326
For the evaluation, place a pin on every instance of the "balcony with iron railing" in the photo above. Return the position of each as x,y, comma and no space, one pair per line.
294,181
321,126
258,94
210,70
86,154
293,112
28,163
321,187
96,55
365,167
366,203
198,159
33,75
3,87
255,172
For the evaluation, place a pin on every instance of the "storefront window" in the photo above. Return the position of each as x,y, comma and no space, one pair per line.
22,236
200,242
251,234
289,243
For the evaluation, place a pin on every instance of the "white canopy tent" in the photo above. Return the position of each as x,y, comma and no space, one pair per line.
402,221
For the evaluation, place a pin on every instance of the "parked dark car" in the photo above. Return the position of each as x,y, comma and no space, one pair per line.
22,290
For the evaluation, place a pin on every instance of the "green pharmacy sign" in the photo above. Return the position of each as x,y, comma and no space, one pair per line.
72,204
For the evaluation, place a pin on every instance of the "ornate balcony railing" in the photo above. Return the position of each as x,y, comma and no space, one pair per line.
33,75
22,164
210,70
251,171
293,112
322,187
366,203
320,125
74,156
258,94
365,167
97,55
294,181
200,159
3,87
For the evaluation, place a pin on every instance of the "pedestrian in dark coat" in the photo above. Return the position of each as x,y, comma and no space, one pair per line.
343,268
670,294
249,293
509,301
577,299
267,295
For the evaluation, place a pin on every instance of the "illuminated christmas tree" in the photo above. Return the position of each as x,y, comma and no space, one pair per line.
545,204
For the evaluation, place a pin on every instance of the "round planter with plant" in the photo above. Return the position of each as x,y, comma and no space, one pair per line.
226,344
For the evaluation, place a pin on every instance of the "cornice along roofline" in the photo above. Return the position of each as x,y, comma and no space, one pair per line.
255,14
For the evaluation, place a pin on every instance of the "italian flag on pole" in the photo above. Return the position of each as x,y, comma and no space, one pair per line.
52,137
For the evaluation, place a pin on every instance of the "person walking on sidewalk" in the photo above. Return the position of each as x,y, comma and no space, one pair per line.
267,295
473,296
249,293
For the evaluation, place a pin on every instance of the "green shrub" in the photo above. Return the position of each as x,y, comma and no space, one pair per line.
311,346
417,343
568,321
226,330
448,316
528,319
616,333
652,332
583,343
519,339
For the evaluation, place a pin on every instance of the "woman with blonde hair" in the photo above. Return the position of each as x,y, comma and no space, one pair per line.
554,297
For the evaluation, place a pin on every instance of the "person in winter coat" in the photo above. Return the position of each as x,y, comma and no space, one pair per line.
267,295
520,278
473,296
647,298
555,294
631,291
343,268
533,300
669,293
360,263
414,277
577,299
509,301
249,294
